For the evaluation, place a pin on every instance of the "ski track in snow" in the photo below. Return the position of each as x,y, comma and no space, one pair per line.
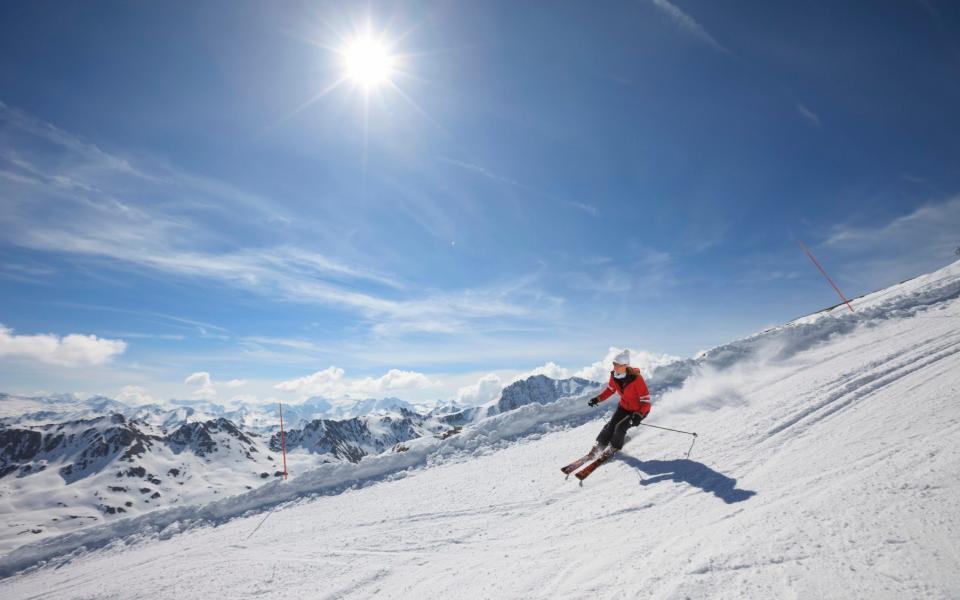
854,387
831,470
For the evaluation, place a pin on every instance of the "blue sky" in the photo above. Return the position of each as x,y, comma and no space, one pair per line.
187,189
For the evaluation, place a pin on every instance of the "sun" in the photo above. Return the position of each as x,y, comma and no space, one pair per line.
368,62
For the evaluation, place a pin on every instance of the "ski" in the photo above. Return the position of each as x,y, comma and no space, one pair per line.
585,472
577,464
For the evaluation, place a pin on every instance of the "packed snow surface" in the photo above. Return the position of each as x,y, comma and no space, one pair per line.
827,466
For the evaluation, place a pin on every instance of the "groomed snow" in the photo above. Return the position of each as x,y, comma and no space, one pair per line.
827,466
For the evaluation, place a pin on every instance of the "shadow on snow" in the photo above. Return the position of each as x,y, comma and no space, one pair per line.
691,472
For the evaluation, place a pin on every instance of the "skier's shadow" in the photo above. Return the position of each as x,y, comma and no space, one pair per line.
692,472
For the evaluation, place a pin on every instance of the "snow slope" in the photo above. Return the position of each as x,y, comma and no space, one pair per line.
827,466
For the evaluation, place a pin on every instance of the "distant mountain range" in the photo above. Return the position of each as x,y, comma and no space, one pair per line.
258,418
66,463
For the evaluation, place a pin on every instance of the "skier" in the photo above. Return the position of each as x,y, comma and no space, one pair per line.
633,408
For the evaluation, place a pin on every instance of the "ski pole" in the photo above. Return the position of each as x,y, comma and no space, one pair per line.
668,429
283,443
694,441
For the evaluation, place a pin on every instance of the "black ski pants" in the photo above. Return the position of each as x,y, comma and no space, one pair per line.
615,430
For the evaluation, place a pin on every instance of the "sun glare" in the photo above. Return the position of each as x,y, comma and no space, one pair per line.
368,62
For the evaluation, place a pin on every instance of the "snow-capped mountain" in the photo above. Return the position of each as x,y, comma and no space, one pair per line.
57,407
368,406
61,476
61,408
826,466
537,389
352,439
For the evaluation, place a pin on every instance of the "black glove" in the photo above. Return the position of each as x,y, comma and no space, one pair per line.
594,401
635,419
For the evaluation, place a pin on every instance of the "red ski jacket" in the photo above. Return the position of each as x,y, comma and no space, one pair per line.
632,389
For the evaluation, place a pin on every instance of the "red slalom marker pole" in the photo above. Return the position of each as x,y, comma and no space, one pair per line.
283,443
810,254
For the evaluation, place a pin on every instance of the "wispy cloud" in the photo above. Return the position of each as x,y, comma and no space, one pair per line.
293,344
88,203
808,114
481,171
597,260
29,273
490,307
643,273
151,336
85,173
913,178
202,327
930,225
689,25
590,209
905,246
59,138
611,279
767,269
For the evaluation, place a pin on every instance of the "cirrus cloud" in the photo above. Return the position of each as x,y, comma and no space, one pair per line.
689,25
904,246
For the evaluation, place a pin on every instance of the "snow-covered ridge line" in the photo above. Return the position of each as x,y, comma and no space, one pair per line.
904,300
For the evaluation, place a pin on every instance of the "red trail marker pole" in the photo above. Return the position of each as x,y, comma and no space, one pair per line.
283,443
842,297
